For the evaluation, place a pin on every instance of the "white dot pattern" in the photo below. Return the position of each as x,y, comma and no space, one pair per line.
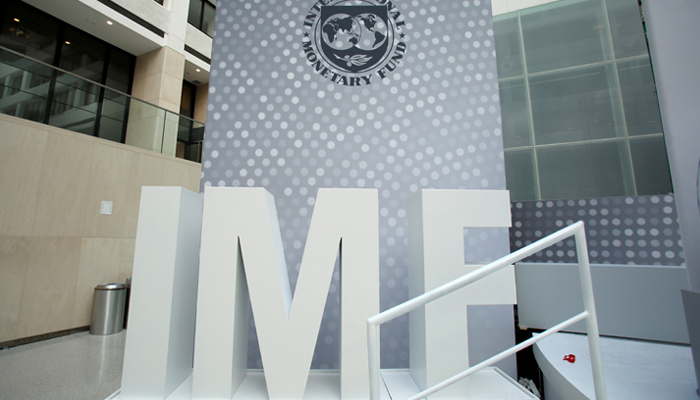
432,123
641,230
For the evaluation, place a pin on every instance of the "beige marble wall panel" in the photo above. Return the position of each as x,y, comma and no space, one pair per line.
138,87
149,63
182,174
100,259
14,255
21,157
174,63
49,290
126,265
171,90
109,178
151,88
144,170
63,186
195,176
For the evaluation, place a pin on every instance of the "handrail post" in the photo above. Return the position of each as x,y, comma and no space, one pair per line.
592,319
374,362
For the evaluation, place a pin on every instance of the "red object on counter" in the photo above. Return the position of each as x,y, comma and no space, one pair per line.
570,358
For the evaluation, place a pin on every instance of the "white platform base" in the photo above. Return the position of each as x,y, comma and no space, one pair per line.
488,384
634,370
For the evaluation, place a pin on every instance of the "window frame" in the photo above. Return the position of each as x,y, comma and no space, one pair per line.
200,23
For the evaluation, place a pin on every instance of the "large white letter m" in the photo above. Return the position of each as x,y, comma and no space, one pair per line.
242,258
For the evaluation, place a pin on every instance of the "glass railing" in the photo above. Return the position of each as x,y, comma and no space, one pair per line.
36,91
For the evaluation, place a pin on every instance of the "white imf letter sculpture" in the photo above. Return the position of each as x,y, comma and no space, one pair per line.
240,264
241,243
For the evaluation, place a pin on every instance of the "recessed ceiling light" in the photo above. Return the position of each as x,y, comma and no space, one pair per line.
67,42
16,19
109,22
198,70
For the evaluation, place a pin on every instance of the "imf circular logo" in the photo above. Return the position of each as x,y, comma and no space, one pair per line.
350,41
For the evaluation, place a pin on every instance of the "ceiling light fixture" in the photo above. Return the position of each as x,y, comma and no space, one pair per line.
198,70
109,22
67,42
16,19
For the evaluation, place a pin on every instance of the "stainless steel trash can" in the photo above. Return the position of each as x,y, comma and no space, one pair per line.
108,309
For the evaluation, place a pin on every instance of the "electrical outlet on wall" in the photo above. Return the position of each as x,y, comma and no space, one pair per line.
106,208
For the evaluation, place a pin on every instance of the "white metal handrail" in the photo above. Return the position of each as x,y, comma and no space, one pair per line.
578,231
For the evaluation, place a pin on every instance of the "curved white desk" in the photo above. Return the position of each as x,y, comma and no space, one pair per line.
634,370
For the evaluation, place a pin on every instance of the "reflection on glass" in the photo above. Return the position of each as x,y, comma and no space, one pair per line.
82,106
29,33
639,97
508,46
520,175
651,172
113,118
565,33
576,89
575,105
145,126
119,70
515,113
111,129
195,13
584,170
208,20
74,107
84,56
24,86
626,28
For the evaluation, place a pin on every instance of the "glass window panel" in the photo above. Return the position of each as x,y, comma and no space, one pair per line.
208,20
520,175
509,53
565,33
195,13
114,109
82,55
119,70
584,170
197,134
77,92
116,97
30,33
639,97
73,108
575,105
626,28
72,118
515,113
111,129
22,75
651,172
184,129
193,152
24,105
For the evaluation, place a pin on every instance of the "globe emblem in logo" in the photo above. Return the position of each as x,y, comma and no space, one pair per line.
354,38
351,41
365,31
373,31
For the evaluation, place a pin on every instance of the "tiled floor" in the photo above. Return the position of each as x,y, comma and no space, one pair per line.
74,367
